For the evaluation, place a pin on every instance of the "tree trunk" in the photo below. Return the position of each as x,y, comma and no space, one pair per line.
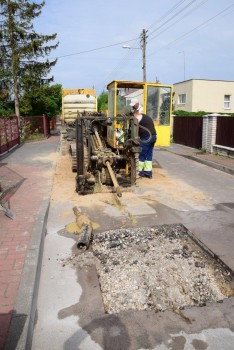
16,93
14,62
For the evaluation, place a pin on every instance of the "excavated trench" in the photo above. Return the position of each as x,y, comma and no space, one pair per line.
155,268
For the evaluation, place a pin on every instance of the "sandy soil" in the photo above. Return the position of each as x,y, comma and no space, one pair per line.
162,188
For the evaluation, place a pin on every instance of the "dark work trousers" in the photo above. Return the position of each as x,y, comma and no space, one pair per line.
146,156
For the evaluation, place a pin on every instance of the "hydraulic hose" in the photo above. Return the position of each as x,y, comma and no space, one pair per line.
149,132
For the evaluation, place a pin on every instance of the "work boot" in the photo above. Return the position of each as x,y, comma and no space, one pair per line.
147,175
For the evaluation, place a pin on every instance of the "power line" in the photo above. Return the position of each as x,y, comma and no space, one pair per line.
194,29
175,15
166,14
119,65
111,45
124,60
187,13
96,49
116,68
116,44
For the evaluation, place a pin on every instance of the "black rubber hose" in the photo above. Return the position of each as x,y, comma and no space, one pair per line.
149,132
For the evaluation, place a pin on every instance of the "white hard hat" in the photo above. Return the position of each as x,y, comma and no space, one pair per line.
134,101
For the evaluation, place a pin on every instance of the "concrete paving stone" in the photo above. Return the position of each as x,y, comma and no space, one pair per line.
142,209
29,203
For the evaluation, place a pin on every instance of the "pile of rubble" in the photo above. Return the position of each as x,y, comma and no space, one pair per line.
155,268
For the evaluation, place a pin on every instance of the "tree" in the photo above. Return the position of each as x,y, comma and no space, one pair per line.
21,46
103,102
6,106
44,99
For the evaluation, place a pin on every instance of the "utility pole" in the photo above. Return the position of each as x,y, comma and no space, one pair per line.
143,47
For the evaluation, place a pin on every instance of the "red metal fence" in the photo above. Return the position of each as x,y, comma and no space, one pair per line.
37,123
9,133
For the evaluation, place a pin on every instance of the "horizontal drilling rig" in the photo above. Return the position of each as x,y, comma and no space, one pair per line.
99,164
105,147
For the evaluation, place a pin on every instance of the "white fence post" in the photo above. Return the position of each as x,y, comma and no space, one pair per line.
209,131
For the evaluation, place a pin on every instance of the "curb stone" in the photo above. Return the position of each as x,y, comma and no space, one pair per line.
210,163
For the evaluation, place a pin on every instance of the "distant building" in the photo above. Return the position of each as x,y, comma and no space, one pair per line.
213,96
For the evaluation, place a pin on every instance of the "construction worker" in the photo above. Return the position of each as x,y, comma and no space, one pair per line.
134,103
148,137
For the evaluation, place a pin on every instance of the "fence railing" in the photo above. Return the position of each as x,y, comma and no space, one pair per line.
9,133
36,124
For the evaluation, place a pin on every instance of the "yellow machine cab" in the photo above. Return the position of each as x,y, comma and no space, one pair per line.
155,98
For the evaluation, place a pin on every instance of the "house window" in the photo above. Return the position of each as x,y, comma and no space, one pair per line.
227,101
182,99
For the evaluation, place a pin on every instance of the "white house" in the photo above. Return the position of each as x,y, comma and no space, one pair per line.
211,96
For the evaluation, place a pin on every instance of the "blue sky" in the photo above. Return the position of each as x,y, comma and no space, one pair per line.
191,38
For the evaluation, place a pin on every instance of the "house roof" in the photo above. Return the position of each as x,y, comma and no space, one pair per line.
184,81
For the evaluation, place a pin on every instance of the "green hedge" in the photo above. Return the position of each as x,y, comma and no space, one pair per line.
182,113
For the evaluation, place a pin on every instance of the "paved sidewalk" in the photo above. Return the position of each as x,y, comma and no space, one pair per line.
222,163
29,171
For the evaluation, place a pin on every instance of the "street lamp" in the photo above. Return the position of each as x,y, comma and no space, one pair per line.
143,59
184,61
129,47
143,48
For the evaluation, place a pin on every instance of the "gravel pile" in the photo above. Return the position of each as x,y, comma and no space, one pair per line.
155,268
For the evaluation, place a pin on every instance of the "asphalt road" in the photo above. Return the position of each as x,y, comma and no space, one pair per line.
70,313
